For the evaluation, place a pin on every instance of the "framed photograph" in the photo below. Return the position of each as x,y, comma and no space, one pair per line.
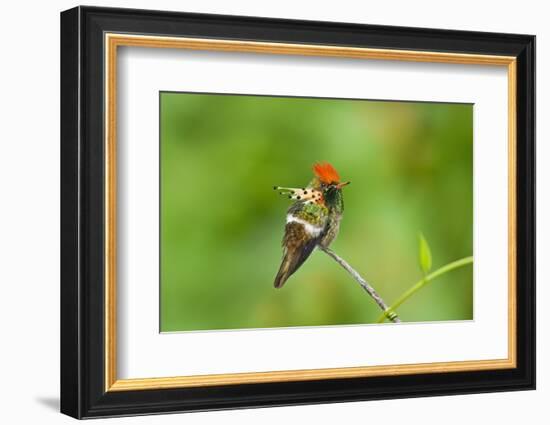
261,212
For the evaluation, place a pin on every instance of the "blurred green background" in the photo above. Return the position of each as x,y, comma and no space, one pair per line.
222,223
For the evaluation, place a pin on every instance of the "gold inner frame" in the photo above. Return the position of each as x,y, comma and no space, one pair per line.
113,41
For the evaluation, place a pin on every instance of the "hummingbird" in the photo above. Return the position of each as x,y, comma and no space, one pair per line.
312,220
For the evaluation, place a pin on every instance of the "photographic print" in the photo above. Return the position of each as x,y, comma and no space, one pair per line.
284,212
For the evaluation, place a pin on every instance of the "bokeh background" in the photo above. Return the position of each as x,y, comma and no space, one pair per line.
411,168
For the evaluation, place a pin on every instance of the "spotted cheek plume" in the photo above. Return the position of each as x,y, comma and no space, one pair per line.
307,195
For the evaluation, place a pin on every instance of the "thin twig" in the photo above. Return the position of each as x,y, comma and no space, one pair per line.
390,314
424,281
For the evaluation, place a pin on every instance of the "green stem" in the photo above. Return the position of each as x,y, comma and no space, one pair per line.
420,284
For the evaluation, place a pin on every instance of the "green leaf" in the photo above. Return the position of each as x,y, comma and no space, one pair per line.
424,254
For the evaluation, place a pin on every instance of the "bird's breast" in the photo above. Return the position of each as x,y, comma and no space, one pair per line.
332,229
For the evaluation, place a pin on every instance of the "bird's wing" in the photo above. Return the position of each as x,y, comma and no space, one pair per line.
304,227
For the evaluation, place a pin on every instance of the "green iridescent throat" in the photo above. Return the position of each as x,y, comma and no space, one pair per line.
334,199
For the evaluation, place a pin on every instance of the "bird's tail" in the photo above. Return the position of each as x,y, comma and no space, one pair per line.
292,260
286,269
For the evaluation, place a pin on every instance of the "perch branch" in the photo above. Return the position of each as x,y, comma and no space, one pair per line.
390,314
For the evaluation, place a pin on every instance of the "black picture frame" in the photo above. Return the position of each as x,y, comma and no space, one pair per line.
83,392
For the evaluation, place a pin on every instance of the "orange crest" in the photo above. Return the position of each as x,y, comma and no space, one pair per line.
326,173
